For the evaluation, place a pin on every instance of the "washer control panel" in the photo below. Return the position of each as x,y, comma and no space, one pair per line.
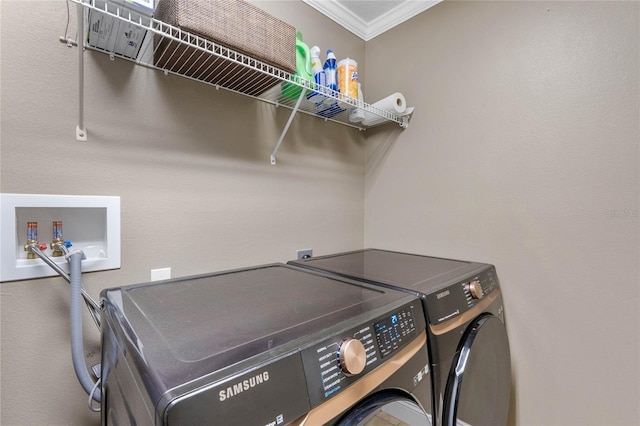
392,331
455,299
335,363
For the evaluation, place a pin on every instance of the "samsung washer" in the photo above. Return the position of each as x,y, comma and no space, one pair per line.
467,341
269,345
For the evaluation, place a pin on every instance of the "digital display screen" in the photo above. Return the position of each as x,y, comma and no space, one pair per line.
394,331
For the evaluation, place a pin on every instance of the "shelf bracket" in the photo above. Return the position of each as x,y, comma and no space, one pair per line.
81,132
286,127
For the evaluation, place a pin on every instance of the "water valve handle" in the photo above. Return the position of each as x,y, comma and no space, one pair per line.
42,246
68,244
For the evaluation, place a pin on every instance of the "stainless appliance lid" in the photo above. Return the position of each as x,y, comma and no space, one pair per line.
410,271
198,325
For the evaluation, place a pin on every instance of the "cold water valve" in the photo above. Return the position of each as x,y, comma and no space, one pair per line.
58,245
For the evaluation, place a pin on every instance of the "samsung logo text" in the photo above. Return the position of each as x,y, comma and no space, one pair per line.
443,294
242,386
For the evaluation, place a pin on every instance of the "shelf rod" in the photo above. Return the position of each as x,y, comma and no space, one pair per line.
286,127
81,133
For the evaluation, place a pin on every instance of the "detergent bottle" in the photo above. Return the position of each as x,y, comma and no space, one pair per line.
303,69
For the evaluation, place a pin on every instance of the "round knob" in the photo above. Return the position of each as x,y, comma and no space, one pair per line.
353,357
476,289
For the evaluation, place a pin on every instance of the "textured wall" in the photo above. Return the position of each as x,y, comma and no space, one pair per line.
524,152
191,165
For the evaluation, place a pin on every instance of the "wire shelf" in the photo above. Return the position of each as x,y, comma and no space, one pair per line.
175,51
118,31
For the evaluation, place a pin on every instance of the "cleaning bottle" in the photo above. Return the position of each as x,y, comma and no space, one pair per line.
316,66
348,78
318,75
330,70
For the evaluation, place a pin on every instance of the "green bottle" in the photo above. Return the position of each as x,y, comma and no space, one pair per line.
303,69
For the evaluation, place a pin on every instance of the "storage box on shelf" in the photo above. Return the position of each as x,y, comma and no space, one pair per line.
235,24
120,36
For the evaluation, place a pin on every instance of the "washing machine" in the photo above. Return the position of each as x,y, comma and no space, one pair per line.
267,345
467,340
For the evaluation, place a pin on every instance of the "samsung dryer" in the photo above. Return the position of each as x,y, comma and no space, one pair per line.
268,345
467,340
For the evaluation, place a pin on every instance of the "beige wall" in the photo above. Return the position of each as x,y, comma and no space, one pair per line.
191,165
524,152
524,141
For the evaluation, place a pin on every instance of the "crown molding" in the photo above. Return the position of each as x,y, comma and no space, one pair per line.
368,30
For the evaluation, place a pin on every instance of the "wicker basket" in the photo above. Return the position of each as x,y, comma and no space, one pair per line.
235,24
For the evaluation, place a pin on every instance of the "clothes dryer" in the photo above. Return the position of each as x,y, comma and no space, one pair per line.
467,341
269,345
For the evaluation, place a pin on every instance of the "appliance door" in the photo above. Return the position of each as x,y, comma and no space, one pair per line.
479,383
390,407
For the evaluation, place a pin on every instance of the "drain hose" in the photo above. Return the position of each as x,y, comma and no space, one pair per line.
77,346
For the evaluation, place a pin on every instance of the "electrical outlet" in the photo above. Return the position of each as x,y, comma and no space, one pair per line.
160,274
304,253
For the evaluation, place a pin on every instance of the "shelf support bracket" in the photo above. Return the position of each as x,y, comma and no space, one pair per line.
286,127
81,132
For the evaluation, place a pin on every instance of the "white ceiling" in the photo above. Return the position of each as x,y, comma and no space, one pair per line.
369,18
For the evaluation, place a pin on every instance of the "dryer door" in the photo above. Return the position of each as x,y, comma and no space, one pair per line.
479,383
388,407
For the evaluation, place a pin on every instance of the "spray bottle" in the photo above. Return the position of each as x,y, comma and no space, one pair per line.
319,77
330,70
316,66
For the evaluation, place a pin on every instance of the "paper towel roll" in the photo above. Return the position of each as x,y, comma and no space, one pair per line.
394,103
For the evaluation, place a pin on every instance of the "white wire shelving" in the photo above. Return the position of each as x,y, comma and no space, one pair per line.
174,51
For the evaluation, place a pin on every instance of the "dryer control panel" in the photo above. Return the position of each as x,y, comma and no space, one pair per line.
335,363
455,299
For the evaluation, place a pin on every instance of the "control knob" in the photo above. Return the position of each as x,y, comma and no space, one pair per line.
353,357
475,289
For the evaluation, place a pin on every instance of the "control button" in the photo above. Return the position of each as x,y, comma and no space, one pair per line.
353,357
476,289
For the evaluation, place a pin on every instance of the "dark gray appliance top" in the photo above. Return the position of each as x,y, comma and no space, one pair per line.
422,274
178,330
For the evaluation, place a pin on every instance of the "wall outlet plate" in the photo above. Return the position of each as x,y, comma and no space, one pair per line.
304,253
160,274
